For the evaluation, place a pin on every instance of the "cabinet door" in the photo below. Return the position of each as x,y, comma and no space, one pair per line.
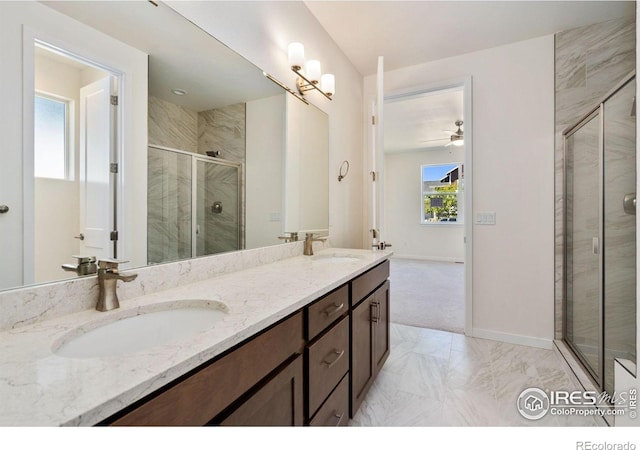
380,320
277,403
362,352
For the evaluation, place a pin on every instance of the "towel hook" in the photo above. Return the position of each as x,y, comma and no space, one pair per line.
342,175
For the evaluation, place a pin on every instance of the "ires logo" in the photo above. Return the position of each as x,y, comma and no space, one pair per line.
534,403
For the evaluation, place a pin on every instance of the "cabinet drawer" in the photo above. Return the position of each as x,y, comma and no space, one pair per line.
326,311
368,281
203,395
335,411
328,361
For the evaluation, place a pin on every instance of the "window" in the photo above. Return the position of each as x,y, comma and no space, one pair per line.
441,186
50,142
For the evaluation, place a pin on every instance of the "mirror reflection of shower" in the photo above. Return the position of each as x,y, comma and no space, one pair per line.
185,213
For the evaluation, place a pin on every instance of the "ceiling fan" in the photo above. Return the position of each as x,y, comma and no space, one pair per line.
457,138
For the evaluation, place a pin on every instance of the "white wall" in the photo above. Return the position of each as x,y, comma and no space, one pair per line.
513,170
402,207
264,152
261,31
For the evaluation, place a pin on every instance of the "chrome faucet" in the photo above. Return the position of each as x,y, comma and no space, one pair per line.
108,276
308,243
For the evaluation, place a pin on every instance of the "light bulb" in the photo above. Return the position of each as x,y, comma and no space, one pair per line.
312,70
328,83
296,55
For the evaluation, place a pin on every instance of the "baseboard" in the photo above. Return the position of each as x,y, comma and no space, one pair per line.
429,258
517,339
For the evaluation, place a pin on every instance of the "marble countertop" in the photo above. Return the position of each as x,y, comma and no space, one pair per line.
40,388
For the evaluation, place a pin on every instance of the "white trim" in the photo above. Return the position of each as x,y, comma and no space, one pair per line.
449,259
513,338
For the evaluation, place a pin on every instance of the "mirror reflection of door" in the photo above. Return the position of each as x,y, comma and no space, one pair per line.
73,134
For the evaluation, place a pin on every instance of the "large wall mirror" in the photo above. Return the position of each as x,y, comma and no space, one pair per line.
144,138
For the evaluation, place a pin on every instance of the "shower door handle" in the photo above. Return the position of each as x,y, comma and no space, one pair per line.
595,245
629,203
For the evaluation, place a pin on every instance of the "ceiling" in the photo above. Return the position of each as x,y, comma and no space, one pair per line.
423,121
412,32
186,63
407,33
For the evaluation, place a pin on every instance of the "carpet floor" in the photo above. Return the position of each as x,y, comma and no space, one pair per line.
427,294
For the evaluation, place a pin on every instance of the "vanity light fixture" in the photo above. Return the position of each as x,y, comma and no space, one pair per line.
311,77
179,91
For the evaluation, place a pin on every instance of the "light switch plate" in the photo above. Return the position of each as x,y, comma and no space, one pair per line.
485,218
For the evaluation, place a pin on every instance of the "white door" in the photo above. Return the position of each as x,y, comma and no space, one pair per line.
96,148
376,158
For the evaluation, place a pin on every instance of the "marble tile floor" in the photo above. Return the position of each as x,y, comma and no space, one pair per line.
438,378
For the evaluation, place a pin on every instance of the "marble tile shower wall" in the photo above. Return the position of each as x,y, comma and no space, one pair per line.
589,61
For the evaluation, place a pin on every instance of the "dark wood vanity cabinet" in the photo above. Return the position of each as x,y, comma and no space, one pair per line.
369,330
312,368
210,394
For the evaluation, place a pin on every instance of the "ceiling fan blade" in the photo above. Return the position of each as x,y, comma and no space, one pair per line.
435,140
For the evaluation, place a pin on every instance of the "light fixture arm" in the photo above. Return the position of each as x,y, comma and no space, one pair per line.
305,85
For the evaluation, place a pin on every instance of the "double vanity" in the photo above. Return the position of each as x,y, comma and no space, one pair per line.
297,341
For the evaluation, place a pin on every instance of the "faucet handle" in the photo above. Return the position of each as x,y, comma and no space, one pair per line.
82,259
109,263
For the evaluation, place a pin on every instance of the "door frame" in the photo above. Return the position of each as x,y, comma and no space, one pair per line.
466,84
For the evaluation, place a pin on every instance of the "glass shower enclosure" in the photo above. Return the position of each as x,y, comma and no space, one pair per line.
194,205
600,235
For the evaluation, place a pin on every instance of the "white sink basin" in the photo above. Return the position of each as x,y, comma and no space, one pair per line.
335,258
134,330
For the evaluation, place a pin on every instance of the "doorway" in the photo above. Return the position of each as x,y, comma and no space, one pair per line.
427,200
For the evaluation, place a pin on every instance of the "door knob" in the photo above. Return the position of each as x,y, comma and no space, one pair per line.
81,237
4,209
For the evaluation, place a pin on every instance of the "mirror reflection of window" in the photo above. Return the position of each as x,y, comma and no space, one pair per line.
51,144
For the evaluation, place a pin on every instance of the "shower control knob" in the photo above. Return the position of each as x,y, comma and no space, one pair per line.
4,209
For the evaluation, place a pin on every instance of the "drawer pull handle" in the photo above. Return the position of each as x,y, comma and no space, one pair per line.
336,416
330,311
339,354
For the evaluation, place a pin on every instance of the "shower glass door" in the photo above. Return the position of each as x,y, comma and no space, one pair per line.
217,208
619,230
582,314
168,206
600,236
194,205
